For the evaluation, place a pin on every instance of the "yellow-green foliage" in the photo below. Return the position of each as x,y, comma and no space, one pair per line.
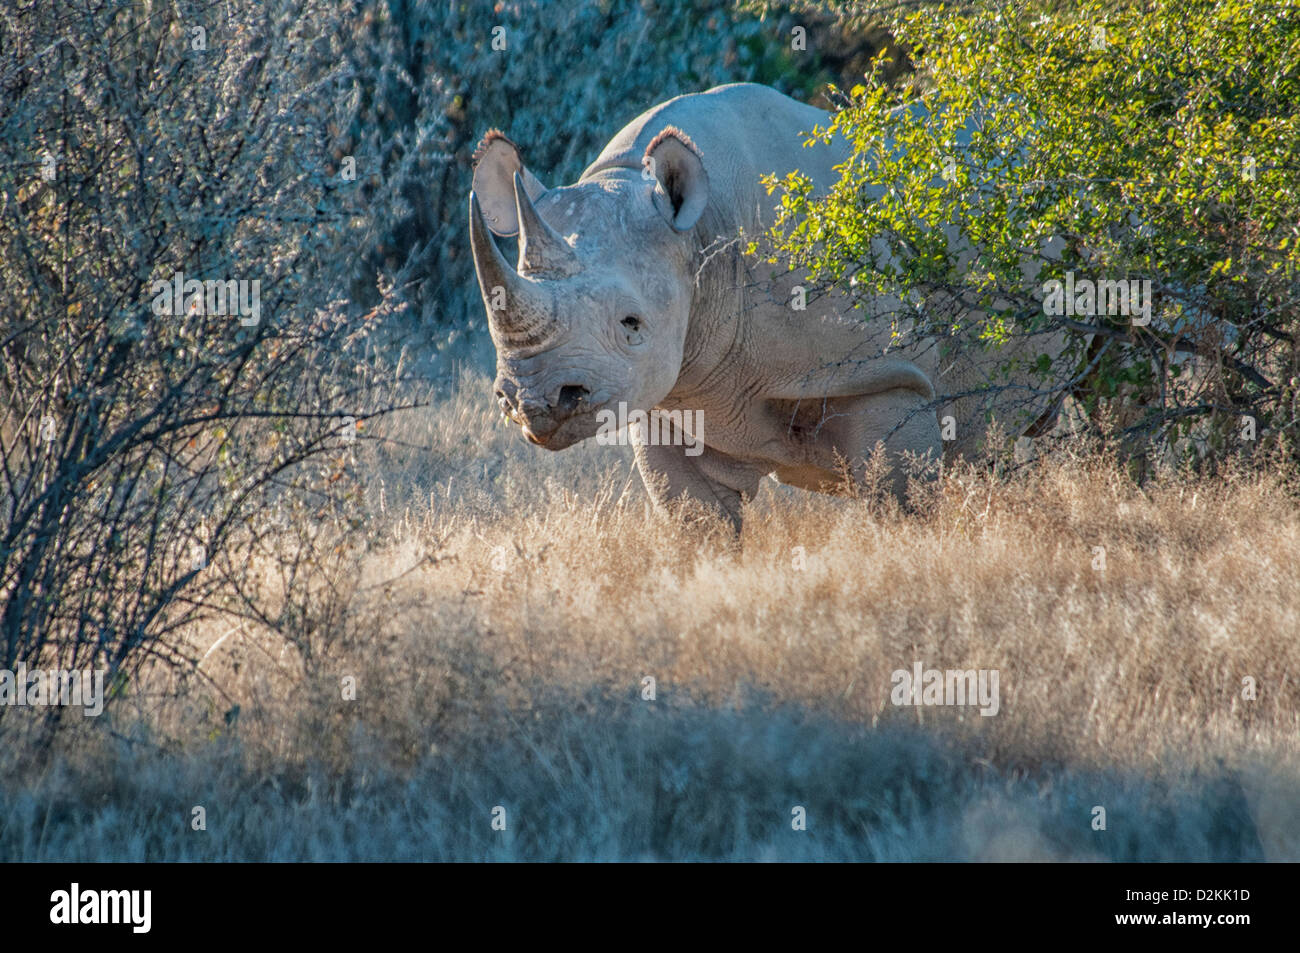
1160,140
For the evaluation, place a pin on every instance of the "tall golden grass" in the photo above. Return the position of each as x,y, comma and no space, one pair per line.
502,612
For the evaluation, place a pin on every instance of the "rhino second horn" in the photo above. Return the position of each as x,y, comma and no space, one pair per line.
541,249
510,325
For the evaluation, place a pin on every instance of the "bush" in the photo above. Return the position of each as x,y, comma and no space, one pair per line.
145,433
1153,141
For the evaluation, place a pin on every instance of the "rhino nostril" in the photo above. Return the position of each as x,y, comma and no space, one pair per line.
571,395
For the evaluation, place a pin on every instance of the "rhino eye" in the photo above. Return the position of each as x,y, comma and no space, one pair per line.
632,330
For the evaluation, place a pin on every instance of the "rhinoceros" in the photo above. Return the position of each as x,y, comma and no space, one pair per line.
632,291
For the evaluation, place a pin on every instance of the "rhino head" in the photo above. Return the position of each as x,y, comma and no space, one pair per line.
595,310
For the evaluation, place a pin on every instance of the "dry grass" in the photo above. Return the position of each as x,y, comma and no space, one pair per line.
505,605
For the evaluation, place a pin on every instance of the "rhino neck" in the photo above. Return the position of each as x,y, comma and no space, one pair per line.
714,351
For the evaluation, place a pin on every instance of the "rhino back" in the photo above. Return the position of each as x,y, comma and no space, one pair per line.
743,131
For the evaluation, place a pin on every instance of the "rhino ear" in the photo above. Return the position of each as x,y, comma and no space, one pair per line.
496,160
681,184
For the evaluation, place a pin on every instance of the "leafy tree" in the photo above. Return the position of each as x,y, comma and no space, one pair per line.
1153,140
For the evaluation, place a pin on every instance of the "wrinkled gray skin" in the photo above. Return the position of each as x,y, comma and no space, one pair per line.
630,287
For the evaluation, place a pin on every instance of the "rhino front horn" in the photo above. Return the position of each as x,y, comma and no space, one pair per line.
504,293
541,249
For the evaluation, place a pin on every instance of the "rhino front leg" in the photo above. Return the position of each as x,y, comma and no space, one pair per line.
676,468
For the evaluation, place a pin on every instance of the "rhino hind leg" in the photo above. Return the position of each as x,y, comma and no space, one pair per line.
679,483
846,432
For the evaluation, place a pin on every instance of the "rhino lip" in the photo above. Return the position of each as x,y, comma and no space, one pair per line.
571,430
557,439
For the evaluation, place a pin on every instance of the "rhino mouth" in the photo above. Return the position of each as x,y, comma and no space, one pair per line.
552,441
572,430
558,424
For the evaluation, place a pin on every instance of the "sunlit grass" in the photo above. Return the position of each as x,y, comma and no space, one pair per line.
504,608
